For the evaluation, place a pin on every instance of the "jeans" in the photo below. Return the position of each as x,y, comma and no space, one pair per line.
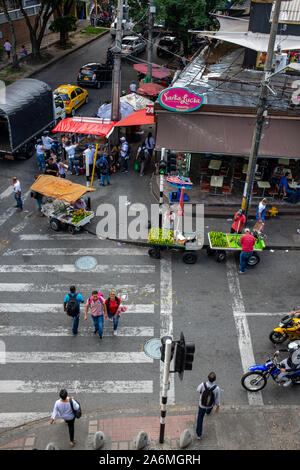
19,200
40,160
124,164
72,164
116,320
71,428
98,324
201,414
244,257
103,178
39,203
75,325
291,193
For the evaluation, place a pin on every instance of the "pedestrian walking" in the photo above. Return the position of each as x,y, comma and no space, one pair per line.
98,308
89,154
124,147
72,307
39,153
38,197
113,309
64,408
103,170
142,157
239,221
18,193
209,397
149,142
70,149
7,47
47,143
260,213
247,243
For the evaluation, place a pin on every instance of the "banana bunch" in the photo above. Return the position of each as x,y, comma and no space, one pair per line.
218,240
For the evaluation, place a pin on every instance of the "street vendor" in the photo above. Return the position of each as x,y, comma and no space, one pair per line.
261,209
79,204
239,221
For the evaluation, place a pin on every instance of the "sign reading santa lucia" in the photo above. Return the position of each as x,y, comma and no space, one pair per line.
179,99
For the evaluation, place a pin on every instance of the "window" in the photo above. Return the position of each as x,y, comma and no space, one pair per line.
73,95
78,91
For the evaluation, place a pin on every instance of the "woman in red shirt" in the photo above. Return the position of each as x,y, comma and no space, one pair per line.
112,306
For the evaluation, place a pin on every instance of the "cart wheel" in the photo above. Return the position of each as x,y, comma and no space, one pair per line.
189,257
209,251
71,229
253,260
220,256
154,253
55,225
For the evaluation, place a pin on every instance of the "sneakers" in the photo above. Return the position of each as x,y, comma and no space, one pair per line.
287,383
115,332
241,272
199,438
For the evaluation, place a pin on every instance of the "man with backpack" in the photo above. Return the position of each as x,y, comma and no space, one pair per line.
103,170
142,156
209,397
72,307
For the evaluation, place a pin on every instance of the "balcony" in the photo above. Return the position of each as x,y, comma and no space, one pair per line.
16,14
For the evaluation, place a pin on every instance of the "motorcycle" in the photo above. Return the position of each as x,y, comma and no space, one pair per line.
288,328
257,378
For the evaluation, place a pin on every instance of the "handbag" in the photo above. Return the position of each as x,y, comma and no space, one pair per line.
136,166
77,413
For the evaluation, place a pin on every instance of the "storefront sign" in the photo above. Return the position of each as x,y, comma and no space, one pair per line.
181,100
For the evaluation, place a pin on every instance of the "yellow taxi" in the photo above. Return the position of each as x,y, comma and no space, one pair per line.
73,97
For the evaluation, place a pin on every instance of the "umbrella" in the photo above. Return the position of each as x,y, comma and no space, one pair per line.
105,110
150,89
157,71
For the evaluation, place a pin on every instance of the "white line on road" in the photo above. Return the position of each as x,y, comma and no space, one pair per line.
12,210
30,287
264,314
166,316
49,357
58,308
71,268
89,386
12,420
242,327
132,331
60,236
77,252
8,191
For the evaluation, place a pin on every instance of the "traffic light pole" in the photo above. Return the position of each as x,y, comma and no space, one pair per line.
116,77
161,189
165,387
150,40
261,113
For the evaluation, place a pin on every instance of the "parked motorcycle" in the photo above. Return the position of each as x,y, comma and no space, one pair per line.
288,328
257,378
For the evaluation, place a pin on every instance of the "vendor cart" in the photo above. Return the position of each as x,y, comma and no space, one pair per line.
62,194
220,243
164,239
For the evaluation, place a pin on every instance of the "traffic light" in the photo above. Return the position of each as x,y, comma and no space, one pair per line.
184,356
162,167
171,161
163,347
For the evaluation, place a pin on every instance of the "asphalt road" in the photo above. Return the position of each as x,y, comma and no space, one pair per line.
227,316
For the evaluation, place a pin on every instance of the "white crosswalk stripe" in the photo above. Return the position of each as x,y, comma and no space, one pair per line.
38,335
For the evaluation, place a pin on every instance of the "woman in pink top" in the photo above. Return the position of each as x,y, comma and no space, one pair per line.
98,309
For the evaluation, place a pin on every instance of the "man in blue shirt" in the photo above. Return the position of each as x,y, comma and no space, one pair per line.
285,188
72,307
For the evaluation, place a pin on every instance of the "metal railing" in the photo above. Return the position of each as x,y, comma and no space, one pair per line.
17,14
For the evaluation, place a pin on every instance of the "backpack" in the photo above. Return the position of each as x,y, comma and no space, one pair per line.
103,166
77,413
208,397
117,300
73,306
100,297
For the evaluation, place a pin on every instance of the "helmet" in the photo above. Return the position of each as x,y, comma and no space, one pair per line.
293,346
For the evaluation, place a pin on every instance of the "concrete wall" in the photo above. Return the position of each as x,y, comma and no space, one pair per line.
21,31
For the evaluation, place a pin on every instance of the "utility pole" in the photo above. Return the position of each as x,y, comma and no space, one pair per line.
152,11
165,387
116,78
261,112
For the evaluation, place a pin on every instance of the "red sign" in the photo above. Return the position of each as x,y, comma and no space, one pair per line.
150,109
179,99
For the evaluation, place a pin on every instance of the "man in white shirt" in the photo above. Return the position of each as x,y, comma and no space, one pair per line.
124,154
89,155
47,143
132,88
7,47
17,193
39,148
70,149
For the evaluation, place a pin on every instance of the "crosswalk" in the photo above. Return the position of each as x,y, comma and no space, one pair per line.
41,354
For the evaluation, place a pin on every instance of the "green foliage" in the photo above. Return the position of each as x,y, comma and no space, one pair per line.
90,30
64,24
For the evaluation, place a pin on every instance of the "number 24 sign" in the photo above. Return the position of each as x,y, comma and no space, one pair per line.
150,109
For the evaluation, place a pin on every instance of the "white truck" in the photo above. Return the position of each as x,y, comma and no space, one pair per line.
27,109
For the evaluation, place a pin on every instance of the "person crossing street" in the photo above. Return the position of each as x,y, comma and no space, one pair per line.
98,309
72,307
209,397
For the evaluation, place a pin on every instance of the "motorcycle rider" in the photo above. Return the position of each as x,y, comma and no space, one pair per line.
291,364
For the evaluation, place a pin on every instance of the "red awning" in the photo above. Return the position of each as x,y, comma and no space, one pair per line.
92,126
157,71
150,89
138,118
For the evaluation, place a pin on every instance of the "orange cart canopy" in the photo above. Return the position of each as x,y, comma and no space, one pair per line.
138,118
59,188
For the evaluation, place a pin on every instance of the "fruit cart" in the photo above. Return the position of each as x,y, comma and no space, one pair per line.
220,243
61,195
164,239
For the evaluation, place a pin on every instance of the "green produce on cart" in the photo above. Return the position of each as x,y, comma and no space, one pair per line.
161,236
218,240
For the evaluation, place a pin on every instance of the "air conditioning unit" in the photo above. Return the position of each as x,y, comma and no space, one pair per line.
280,61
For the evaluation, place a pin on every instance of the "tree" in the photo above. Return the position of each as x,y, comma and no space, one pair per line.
63,25
38,27
15,62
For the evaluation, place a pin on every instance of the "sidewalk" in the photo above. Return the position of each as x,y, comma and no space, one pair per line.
234,428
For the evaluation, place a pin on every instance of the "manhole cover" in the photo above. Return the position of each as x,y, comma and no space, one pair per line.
86,263
152,348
